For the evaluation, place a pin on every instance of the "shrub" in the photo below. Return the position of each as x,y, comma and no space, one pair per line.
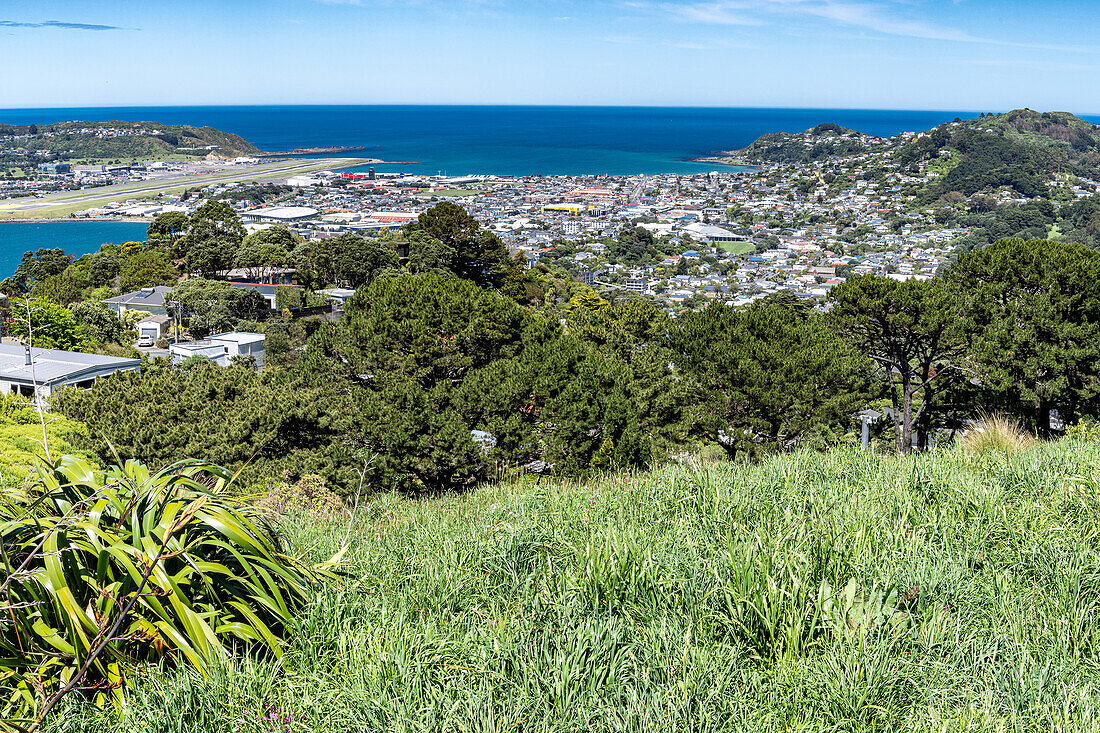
309,497
1088,431
995,433
109,570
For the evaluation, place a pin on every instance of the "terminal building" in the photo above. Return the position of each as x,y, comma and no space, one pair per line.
279,214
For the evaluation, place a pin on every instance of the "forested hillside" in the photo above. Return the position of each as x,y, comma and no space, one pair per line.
119,140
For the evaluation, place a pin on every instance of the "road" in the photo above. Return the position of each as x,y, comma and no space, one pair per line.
137,190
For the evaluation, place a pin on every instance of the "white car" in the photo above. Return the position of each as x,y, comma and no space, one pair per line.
146,340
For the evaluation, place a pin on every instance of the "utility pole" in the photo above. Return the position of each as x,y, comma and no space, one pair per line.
28,345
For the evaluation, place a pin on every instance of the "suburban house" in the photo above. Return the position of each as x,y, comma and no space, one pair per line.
222,348
44,371
271,292
155,326
147,300
337,295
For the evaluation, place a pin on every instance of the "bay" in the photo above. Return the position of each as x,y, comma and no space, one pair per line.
75,237
460,140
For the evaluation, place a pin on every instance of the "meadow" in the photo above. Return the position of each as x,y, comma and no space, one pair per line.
846,591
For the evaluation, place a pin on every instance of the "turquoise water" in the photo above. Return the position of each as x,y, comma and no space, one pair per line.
75,237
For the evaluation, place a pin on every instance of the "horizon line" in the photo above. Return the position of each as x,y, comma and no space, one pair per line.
535,105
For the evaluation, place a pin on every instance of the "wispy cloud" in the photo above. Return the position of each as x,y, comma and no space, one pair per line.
886,17
690,45
716,13
64,24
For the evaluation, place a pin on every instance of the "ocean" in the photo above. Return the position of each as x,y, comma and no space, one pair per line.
75,237
507,140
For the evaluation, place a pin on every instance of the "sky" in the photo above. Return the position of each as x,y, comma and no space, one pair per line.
979,55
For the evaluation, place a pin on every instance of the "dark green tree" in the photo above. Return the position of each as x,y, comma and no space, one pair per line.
103,268
39,265
634,246
407,344
256,258
167,226
764,377
265,424
463,248
212,238
279,235
145,269
1033,308
210,306
349,260
911,331
102,324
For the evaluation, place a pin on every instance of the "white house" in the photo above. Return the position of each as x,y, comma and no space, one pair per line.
154,326
222,348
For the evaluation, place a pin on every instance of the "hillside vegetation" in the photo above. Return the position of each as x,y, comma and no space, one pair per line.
822,141
79,140
843,591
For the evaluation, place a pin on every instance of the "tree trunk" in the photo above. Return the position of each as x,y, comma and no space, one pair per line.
906,422
1042,419
896,415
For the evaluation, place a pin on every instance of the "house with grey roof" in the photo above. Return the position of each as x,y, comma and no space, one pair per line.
42,372
147,300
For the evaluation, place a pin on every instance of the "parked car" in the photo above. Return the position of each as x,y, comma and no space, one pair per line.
146,339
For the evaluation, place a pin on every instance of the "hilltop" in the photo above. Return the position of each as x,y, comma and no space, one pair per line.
116,140
819,142
844,591
1020,150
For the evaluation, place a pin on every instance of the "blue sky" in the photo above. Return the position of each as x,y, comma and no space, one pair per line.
980,55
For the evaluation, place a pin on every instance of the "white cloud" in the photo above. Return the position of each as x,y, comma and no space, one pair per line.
891,18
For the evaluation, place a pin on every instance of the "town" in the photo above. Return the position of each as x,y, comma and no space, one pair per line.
736,234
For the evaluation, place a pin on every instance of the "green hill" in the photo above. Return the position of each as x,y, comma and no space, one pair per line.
1019,149
114,140
823,141
816,592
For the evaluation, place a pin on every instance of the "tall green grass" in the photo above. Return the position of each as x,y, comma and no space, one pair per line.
815,592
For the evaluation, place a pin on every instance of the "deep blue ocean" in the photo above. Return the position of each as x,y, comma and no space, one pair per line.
508,140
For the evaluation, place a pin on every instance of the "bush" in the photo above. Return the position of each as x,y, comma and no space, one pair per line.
111,570
995,433
308,497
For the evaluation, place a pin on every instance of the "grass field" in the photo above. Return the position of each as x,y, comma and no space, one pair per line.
839,592
737,248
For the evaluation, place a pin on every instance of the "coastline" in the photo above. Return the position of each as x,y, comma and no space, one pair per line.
55,220
721,160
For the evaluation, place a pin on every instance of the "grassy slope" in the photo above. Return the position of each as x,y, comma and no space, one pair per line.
685,600
21,445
